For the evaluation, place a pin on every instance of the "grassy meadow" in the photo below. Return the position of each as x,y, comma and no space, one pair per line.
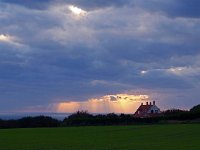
143,137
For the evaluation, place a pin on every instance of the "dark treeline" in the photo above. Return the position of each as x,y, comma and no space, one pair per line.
83,118
32,122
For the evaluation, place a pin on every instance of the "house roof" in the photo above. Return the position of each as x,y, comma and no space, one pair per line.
144,111
144,108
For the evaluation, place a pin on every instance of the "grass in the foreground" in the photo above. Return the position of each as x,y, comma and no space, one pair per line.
155,137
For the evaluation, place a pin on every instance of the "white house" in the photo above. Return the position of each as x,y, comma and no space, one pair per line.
148,110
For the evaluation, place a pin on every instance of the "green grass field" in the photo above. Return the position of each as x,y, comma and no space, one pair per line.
144,137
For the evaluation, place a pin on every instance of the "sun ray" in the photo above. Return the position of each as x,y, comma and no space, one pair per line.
119,103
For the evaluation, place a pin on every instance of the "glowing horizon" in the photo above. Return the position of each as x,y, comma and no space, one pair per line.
119,103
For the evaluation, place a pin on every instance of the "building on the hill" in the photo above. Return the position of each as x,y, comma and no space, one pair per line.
148,110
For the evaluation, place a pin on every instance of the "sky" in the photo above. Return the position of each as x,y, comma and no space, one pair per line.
102,56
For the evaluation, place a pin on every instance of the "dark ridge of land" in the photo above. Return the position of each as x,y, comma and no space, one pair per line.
83,118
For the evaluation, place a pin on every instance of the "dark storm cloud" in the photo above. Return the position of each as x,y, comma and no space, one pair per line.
36,4
50,55
173,8
141,51
87,4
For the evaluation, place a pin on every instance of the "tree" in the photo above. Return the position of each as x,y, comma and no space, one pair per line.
195,109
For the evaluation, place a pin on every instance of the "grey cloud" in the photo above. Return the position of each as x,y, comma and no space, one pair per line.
87,4
173,8
61,57
36,4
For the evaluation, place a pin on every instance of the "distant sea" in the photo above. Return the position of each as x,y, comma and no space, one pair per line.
18,115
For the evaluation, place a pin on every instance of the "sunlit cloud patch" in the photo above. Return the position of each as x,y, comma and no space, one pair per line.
5,38
119,103
77,11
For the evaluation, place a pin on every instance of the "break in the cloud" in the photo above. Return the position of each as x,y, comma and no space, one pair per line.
118,103
8,39
4,38
121,46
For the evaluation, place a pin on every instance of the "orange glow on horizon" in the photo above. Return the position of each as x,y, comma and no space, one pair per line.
119,103
68,107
